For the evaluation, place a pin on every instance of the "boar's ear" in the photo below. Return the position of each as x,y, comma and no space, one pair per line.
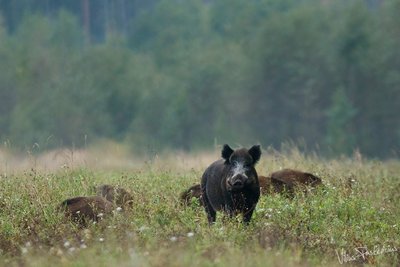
255,153
226,152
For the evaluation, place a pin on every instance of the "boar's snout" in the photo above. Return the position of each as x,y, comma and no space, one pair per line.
236,182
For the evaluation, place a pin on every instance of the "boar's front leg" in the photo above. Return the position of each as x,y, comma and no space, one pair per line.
247,216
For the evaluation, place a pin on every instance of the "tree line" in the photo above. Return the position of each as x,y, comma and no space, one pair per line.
170,74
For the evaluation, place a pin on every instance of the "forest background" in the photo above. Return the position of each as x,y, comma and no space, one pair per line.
185,75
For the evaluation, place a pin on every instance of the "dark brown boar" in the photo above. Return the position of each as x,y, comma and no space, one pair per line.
193,192
265,184
115,194
231,184
85,209
288,180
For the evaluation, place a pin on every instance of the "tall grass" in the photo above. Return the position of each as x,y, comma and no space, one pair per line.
358,206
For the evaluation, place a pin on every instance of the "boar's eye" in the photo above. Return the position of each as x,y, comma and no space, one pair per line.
235,162
248,164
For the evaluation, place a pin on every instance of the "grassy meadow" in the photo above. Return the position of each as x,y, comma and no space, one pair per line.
354,219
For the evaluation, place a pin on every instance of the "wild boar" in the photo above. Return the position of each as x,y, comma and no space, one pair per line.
231,184
289,180
85,209
265,184
115,194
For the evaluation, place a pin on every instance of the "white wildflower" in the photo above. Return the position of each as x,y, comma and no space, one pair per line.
87,234
143,228
190,234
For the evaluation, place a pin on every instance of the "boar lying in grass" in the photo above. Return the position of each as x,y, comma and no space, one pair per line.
231,184
286,180
115,194
82,210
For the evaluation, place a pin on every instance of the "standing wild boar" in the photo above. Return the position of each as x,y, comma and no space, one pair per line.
231,184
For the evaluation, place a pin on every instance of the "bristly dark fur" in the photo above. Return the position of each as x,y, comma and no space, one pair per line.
287,181
255,153
231,184
226,152
71,201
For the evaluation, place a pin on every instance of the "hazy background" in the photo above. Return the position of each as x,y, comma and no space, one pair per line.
159,75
